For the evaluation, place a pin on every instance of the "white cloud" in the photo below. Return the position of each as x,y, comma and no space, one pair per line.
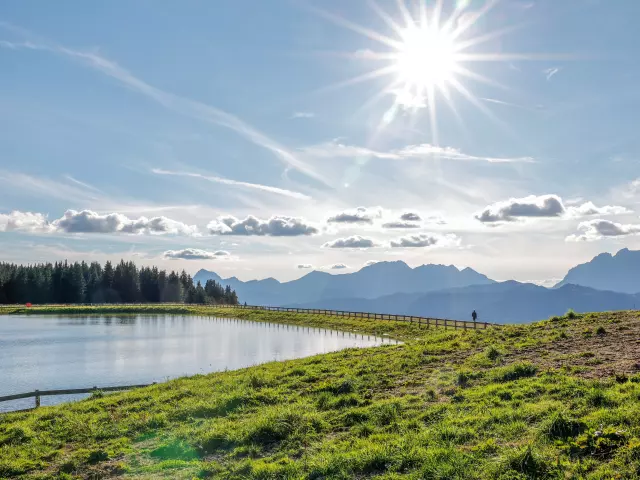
358,215
421,240
226,181
276,226
514,208
195,254
355,241
304,266
400,224
88,221
588,208
542,206
593,230
337,149
370,262
24,222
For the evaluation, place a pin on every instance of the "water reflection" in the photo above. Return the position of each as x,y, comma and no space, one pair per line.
46,352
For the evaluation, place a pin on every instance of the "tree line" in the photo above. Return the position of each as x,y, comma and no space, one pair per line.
80,282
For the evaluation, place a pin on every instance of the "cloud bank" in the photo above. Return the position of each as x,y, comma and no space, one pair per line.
358,215
195,254
88,221
276,226
355,241
599,229
422,240
542,206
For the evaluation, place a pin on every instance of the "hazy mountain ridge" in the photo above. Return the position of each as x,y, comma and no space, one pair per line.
373,281
617,273
506,302
607,282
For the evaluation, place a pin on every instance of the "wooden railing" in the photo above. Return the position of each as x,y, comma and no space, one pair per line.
426,321
72,391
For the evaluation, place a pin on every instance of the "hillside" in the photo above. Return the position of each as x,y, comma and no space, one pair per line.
555,399
379,279
505,302
618,273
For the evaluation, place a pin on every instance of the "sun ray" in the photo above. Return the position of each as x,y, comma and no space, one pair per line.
433,117
406,14
435,21
477,76
461,28
380,72
472,42
477,103
386,18
424,14
373,35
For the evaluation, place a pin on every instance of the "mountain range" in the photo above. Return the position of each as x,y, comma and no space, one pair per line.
608,282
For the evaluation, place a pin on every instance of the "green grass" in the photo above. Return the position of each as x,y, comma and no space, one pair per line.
442,405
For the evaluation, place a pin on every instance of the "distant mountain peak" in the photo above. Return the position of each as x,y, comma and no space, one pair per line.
375,280
615,273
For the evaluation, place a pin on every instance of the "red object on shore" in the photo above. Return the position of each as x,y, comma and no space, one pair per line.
28,304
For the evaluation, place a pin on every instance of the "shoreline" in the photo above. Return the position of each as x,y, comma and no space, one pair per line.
394,329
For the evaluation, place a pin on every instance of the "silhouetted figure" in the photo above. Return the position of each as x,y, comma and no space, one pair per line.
474,315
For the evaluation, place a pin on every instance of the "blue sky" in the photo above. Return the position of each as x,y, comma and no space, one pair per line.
228,135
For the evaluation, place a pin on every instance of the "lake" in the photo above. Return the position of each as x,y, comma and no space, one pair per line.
61,352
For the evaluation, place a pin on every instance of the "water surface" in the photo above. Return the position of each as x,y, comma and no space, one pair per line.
61,352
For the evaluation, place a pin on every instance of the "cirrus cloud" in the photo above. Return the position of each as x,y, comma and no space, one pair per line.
276,226
337,149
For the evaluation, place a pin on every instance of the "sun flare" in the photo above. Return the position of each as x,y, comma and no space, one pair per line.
430,55
425,59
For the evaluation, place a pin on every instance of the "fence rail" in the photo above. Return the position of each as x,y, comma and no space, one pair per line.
72,391
426,321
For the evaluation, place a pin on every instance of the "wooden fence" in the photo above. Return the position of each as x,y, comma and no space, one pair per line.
428,322
72,391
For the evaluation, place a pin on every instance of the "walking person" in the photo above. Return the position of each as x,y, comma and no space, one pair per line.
474,315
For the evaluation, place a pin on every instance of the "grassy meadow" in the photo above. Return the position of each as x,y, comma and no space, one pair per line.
558,399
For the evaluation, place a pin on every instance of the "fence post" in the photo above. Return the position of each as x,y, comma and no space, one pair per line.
37,398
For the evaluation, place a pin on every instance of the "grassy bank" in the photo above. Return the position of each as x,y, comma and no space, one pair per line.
558,399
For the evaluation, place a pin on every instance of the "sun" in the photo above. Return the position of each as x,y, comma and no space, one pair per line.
429,56
426,58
